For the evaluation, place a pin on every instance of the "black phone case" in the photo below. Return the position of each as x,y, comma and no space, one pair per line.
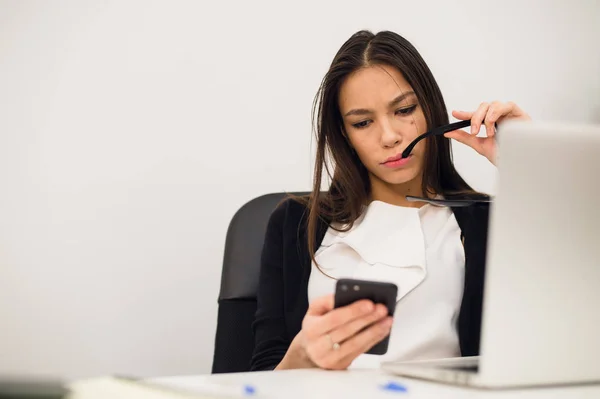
378,292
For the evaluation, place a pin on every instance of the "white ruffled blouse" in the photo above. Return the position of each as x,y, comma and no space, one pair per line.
418,249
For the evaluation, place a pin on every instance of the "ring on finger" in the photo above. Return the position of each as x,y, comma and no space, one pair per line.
334,345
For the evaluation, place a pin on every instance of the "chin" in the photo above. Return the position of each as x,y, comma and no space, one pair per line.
399,177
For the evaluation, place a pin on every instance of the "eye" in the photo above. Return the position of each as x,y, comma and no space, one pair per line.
406,110
362,124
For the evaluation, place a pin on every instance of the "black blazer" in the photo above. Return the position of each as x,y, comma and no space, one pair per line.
282,298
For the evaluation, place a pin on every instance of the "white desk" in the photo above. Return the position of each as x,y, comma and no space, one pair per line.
316,384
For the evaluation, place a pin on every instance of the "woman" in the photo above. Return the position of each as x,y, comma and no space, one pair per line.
377,96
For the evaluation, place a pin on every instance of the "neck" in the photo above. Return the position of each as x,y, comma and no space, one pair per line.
395,194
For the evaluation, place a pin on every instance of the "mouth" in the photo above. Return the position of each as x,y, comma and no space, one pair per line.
397,161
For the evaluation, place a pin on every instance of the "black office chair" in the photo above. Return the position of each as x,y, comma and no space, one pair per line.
234,341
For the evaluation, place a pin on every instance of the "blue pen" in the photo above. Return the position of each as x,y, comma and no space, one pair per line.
394,387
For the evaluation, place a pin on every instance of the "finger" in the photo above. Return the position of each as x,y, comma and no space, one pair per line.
462,115
461,136
373,335
468,139
351,328
324,344
321,305
515,112
496,110
359,344
338,317
478,117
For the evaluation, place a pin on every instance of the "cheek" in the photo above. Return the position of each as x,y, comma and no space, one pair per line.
419,125
420,150
420,122
365,149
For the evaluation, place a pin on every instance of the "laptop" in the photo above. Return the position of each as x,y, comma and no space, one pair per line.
541,316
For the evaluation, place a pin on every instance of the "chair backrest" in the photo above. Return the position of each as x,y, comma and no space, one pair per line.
234,340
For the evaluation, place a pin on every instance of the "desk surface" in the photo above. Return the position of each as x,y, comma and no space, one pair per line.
316,384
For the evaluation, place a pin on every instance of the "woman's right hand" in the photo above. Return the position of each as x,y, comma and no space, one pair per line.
332,338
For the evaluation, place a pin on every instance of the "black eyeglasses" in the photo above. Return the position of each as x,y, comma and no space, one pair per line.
451,203
438,131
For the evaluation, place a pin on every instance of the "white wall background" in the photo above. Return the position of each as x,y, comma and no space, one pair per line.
131,131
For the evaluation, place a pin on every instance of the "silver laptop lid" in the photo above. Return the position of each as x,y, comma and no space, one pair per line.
541,319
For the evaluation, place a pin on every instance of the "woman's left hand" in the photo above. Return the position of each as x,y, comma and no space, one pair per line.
487,114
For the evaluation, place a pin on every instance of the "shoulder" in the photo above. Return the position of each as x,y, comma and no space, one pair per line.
292,212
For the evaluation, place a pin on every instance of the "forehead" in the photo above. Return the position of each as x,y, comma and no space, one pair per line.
372,87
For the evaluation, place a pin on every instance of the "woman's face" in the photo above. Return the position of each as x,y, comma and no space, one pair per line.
381,117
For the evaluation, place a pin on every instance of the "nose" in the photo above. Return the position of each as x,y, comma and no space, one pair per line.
390,136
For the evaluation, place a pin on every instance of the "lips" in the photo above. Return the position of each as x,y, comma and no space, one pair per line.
397,162
393,159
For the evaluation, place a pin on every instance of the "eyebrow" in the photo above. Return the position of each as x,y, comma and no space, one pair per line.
393,103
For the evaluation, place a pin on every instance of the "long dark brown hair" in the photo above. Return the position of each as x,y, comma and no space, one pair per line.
350,186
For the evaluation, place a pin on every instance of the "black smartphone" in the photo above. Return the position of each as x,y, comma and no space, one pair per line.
348,291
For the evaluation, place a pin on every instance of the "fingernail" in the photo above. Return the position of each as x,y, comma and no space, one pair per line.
382,311
473,129
368,307
387,323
